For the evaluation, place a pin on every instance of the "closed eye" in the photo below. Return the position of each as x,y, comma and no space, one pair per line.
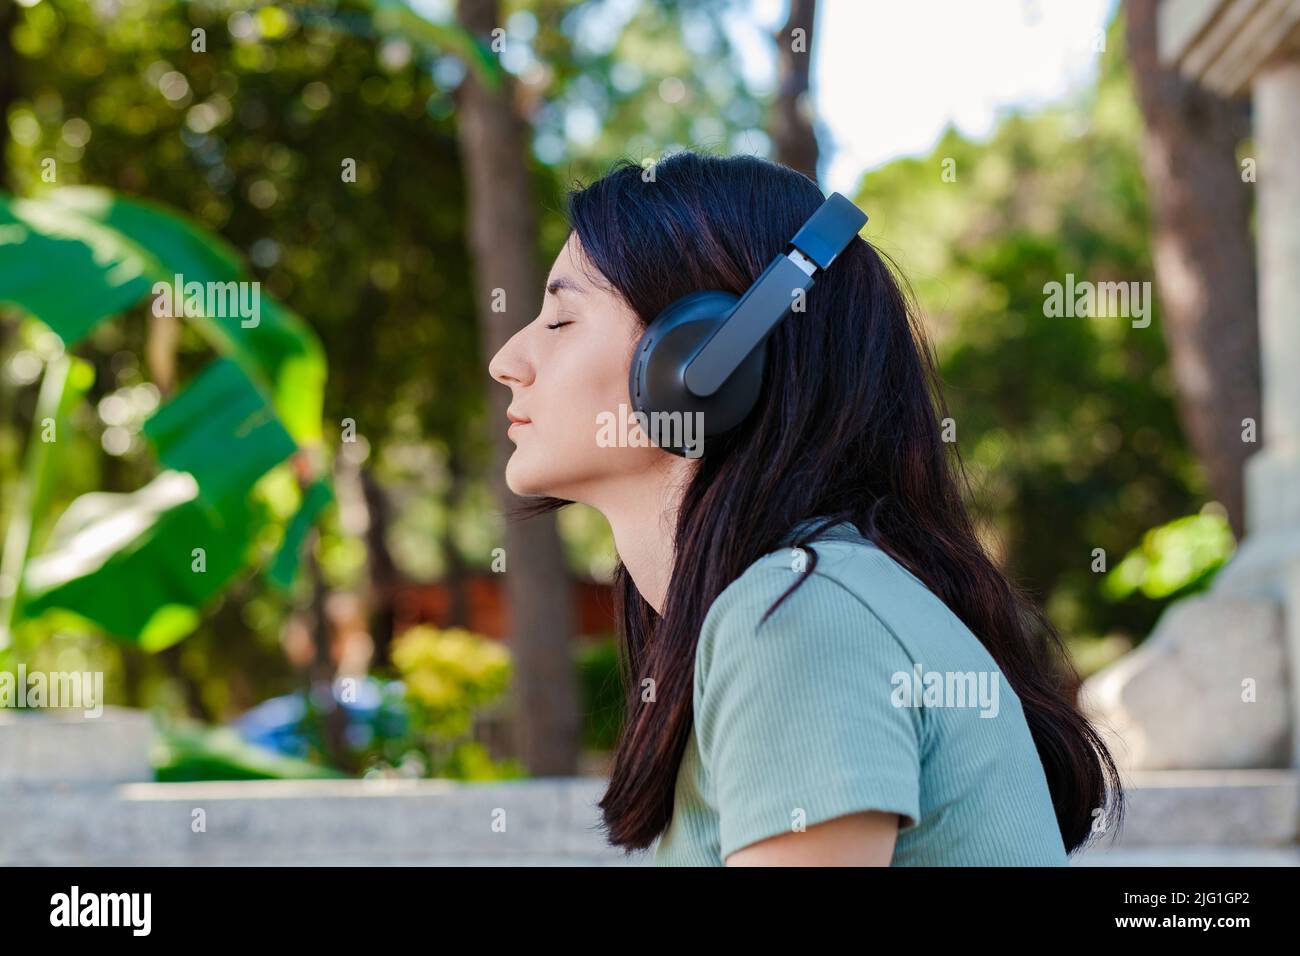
556,325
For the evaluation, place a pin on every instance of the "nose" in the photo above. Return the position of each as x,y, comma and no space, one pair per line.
510,365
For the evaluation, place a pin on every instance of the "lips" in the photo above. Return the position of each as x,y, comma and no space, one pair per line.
516,419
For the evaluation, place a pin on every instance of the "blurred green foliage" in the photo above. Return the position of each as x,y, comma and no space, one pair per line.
1175,559
247,137
602,693
186,750
1069,426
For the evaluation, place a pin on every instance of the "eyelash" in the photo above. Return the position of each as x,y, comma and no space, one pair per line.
556,325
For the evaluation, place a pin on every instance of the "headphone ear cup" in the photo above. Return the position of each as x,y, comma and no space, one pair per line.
656,379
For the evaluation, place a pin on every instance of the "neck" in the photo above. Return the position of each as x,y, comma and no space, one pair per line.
642,512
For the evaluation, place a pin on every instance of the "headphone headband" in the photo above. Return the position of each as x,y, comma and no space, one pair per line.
814,247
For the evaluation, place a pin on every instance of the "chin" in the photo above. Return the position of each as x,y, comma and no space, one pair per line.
551,477
524,480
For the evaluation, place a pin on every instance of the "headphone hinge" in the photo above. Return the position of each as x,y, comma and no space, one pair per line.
803,262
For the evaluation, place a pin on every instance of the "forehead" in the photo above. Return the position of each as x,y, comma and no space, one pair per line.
574,273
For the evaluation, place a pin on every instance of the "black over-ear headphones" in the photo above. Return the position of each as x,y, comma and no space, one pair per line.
698,368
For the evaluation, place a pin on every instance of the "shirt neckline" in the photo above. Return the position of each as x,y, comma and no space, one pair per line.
841,531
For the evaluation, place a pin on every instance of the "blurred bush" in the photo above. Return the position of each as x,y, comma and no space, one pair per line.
448,673
1174,559
449,676
419,725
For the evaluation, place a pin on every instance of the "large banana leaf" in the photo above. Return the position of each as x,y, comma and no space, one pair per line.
118,249
143,565
65,383
68,271
128,562
221,431
283,570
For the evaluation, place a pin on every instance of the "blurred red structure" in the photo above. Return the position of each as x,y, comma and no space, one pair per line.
485,610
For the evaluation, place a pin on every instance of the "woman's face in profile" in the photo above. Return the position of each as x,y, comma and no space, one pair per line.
567,372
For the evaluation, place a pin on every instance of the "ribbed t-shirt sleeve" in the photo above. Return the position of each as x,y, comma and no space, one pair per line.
795,718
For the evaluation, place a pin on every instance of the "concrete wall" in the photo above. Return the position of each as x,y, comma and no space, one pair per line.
76,792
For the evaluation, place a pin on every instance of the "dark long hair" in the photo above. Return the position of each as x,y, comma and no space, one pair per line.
847,428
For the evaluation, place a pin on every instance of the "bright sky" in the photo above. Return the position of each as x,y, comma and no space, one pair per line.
889,76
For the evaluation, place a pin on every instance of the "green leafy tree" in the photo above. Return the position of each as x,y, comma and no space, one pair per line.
1069,425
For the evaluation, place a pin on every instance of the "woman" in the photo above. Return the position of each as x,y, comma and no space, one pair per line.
822,665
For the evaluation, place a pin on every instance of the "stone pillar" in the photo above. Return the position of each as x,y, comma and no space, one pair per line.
1271,555
1273,475
1174,703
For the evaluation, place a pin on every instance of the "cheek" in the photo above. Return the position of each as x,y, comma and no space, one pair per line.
585,377
584,386
585,382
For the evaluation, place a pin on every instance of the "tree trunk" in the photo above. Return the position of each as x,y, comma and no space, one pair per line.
382,572
322,671
1204,257
170,657
457,576
791,129
494,147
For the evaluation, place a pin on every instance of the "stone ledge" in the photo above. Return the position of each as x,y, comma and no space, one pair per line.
1190,856
51,746
1175,818
1247,808
278,822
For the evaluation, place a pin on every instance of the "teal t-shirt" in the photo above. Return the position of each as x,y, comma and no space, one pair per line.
863,691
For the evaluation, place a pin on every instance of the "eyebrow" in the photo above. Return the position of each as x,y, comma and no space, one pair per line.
563,284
